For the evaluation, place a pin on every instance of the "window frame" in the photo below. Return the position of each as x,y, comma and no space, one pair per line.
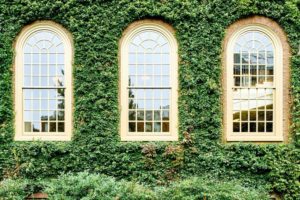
277,134
20,134
128,34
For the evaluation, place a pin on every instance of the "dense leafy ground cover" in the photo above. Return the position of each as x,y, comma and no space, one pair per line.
200,27
94,187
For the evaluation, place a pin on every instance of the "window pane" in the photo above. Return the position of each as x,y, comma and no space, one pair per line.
61,127
27,126
45,127
253,78
149,126
52,126
44,66
140,126
149,66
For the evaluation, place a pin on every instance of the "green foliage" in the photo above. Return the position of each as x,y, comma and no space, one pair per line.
197,188
87,186
200,27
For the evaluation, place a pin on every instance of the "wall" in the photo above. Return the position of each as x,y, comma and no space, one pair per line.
200,28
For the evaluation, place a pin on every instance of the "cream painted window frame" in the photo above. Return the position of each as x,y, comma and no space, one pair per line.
277,134
66,38
167,31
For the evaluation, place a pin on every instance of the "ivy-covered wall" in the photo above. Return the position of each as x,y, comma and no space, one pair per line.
200,27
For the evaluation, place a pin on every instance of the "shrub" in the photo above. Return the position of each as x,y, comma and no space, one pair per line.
94,186
198,188
87,186
13,189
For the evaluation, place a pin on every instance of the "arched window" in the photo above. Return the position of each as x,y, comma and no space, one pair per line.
43,83
254,84
149,82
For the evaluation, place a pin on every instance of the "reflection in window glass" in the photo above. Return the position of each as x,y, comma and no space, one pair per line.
253,86
43,87
149,82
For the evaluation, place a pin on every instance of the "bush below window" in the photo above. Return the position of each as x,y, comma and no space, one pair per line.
94,186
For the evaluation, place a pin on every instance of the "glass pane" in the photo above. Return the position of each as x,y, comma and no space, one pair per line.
45,127
245,127
36,127
270,70
236,127
132,70
27,69
140,115
252,127
140,126
253,70
60,70
253,58
236,57
52,104
261,70
132,104
52,70
261,127
132,126
165,127
27,81
52,115
165,115
270,57
36,116
52,126
253,80
237,81
35,58
149,126
269,116
36,104
61,115
165,94
252,115
157,115
261,115
149,94
157,126
27,94
132,115
236,70
269,127
27,104
244,115
44,115
27,126
61,127
52,94
165,80
44,81
236,116
149,115
148,104
165,104
245,58
44,104
27,58
27,115
261,57
61,104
